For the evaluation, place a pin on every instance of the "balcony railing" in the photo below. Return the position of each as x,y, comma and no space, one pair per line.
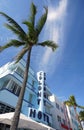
20,79
11,97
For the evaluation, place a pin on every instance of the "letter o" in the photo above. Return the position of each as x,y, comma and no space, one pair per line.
39,115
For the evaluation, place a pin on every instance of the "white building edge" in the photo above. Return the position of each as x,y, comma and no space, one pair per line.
39,103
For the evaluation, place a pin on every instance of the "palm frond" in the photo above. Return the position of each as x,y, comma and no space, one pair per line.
41,22
13,22
73,100
68,103
32,38
82,107
32,14
50,44
30,27
16,32
21,54
81,115
13,42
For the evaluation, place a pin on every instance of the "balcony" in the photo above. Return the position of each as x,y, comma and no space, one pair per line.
4,73
47,102
19,80
8,97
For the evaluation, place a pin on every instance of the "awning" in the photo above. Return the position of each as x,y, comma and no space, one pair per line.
64,126
24,122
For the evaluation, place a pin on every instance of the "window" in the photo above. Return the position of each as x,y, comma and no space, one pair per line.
44,103
38,101
58,118
57,105
47,110
44,88
61,109
44,83
33,83
29,80
5,83
44,78
18,91
20,71
11,67
45,95
4,108
30,98
14,88
45,74
63,121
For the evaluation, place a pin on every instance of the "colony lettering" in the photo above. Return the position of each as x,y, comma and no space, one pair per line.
39,115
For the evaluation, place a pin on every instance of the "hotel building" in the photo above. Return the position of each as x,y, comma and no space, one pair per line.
59,115
38,103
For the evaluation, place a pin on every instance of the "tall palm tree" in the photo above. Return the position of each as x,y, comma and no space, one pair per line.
27,41
71,102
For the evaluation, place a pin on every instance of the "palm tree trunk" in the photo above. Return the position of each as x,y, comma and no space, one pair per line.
80,122
15,120
77,117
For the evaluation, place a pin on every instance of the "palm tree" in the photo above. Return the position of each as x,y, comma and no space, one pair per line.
71,102
81,115
27,41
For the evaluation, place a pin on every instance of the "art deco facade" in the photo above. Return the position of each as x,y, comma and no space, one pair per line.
38,103
64,117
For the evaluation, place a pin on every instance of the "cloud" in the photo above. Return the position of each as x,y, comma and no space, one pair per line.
54,30
59,12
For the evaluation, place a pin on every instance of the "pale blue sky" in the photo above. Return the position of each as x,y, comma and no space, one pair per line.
65,25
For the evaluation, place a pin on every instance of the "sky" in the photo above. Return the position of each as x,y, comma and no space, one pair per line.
65,26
